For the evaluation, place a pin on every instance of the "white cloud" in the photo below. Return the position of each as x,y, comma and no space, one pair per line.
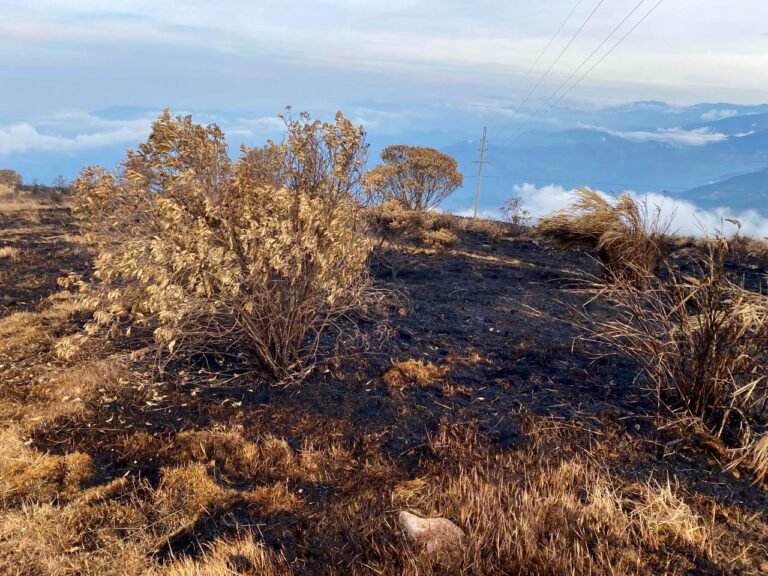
71,131
674,136
719,115
686,218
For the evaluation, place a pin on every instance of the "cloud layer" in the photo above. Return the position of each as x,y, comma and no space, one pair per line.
686,218
674,136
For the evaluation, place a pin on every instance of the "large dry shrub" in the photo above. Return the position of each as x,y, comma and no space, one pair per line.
263,254
700,340
627,237
419,178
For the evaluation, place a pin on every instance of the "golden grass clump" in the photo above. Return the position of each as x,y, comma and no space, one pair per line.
568,517
208,253
241,557
441,239
414,373
27,475
27,334
10,253
564,518
627,238
399,233
124,527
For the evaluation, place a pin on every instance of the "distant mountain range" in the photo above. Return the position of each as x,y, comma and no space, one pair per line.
711,154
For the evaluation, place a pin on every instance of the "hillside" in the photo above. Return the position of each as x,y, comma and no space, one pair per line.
482,405
743,192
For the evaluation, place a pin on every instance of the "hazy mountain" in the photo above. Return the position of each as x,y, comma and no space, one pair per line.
744,192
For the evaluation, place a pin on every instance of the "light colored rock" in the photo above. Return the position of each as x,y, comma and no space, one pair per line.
437,536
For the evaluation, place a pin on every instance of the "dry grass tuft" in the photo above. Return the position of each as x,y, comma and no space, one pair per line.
27,334
567,518
702,342
10,253
27,475
627,238
661,518
416,373
241,557
440,240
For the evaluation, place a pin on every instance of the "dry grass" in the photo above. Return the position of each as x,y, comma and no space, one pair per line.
414,373
12,200
242,557
27,475
627,238
121,527
702,342
547,516
26,334
440,240
10,253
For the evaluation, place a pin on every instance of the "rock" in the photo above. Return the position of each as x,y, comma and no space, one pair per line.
434,536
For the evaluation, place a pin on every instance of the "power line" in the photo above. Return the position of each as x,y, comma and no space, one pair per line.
583,63
551,40
562,52
616,45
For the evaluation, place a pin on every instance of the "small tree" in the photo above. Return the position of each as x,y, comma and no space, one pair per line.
419,178
262,254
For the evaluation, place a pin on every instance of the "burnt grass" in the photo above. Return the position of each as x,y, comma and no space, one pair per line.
498,315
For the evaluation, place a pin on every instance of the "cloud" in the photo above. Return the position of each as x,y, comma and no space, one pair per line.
73,131
719,114
686,218
24,137
673,136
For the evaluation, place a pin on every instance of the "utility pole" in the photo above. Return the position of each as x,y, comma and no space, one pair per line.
480,169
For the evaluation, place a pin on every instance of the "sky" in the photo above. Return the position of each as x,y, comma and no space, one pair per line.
88,54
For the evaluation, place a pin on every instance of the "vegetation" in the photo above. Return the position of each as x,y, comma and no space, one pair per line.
627,238
701,341
10,179
417,177
265,254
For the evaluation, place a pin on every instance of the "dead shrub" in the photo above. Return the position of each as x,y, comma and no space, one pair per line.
208,254
701,341
517,215
414,373
627,237
417,177
440,240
